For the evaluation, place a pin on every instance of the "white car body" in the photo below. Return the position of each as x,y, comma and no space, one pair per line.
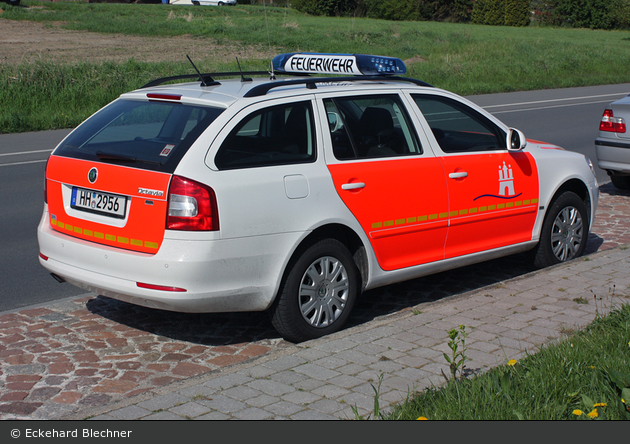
269,215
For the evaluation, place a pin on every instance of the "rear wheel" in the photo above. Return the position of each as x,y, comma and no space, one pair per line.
318,292
564,232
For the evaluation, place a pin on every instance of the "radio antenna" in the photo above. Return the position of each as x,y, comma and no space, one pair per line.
203,81
271,73
243,78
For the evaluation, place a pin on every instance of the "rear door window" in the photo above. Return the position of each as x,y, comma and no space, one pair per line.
277,135
369,127
150,135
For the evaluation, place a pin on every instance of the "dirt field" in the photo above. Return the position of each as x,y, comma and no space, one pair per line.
22,41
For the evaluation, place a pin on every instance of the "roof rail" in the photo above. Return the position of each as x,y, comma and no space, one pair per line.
208,78
310,82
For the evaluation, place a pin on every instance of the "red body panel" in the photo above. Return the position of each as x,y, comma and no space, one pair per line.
403,207
144,228
494,205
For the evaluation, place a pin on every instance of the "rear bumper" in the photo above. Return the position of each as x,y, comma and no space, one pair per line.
613,155
218,275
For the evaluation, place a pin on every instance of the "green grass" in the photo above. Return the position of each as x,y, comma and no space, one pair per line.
589,371
464,58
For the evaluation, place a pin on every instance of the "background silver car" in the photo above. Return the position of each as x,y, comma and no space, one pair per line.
214,2
613,144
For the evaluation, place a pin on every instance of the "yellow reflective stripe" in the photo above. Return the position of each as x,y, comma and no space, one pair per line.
454,213
109,237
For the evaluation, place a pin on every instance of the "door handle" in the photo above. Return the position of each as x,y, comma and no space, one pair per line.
352,186
458,175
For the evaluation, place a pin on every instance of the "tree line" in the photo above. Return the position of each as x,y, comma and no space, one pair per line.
595,14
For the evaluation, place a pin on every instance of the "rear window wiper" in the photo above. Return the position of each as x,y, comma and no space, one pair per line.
113,157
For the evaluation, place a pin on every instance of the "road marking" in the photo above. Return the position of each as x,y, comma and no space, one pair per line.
22,163
547,107
559,100
26,152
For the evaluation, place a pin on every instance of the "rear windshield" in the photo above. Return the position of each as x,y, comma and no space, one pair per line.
148,135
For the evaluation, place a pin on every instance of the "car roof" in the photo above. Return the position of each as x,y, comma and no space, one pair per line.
224,92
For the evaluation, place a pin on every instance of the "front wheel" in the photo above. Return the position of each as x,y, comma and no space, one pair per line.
317,293
564,232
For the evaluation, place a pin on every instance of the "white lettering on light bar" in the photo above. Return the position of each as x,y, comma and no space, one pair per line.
324,64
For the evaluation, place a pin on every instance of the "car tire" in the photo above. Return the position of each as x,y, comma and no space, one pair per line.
564,231
14,2
317,293
621,182
196,3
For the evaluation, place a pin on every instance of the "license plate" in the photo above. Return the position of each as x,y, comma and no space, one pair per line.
100,203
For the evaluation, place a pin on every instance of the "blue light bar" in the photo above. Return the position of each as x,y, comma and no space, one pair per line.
344,64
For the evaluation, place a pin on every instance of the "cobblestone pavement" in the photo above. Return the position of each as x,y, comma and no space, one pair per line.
93,357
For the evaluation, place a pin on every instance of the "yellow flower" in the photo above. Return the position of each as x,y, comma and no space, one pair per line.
578,412
593,414
422,418
512,362
600,404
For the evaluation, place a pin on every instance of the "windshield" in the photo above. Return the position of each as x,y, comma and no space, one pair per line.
150,135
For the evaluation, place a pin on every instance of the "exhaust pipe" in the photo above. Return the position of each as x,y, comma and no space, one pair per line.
58,278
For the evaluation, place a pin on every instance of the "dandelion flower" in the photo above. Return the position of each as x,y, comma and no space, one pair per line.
512,362
578,412
422,418
593,414
600,404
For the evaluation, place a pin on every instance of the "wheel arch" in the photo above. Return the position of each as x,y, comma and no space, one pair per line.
342,233
578,187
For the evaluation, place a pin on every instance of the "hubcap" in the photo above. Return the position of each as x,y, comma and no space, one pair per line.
566,235
324,291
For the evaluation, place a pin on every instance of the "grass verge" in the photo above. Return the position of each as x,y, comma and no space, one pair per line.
464,58
584,377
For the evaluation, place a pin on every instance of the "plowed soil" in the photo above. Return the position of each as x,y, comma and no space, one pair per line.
24,41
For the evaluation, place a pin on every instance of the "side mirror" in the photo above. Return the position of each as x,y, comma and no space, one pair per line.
516,140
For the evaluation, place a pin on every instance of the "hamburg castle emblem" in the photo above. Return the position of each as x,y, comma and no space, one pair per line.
506,180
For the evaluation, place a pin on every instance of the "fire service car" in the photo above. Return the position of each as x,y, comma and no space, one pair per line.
294,194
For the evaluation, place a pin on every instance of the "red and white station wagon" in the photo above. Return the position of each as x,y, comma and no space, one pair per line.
293,195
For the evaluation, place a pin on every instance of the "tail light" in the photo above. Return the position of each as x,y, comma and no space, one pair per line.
192,206
611,123
46,182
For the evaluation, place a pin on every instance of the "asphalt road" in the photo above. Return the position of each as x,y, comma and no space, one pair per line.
566,117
